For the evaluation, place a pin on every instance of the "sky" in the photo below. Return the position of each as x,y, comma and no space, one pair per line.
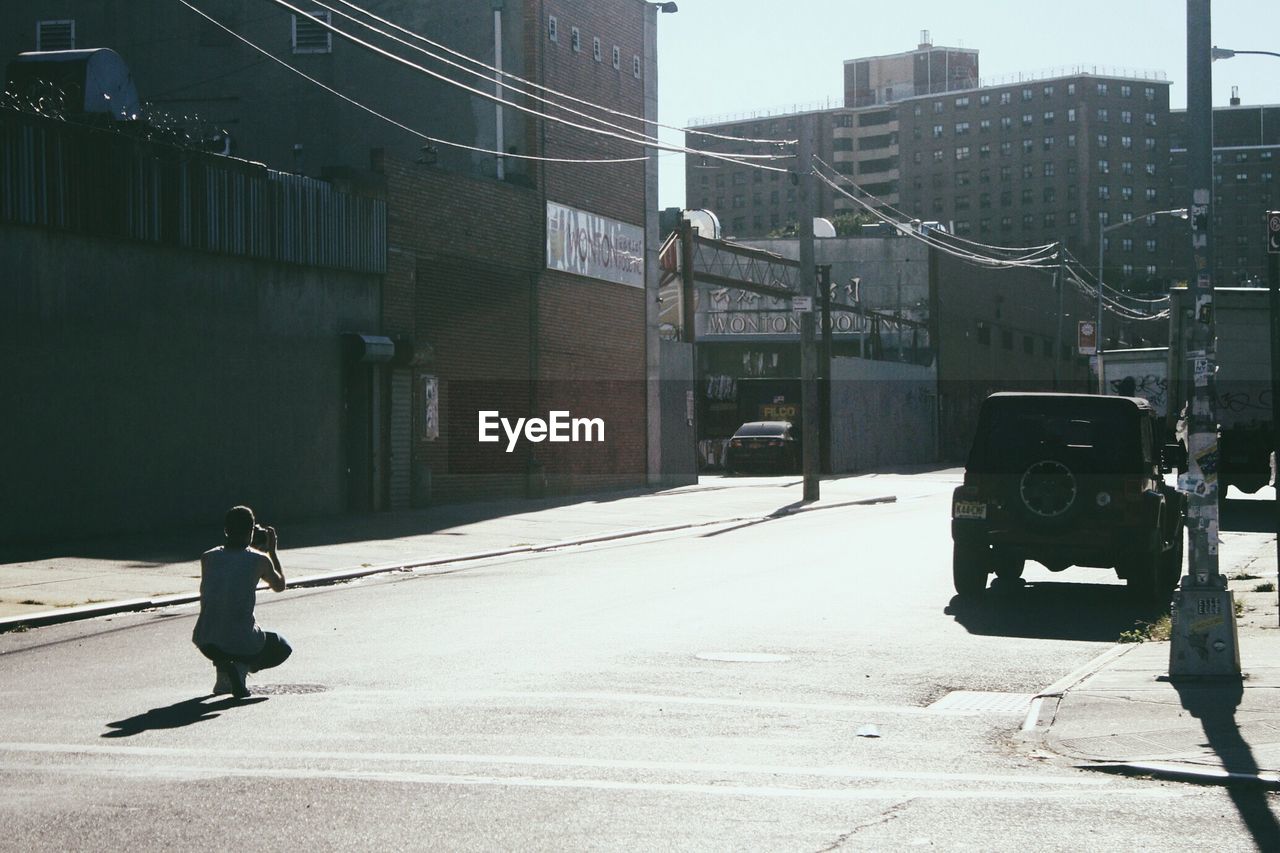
726,57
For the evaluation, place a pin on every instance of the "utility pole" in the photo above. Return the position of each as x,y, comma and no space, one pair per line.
824,362
1058,281
810,436
1203,641
1273,307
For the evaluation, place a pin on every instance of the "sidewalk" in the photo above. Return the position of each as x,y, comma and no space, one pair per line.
1125,715
61,582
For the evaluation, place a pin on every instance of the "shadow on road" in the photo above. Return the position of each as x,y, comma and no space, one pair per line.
1055,611
1214,702
176,716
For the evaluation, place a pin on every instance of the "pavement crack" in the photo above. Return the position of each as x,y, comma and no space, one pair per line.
889,814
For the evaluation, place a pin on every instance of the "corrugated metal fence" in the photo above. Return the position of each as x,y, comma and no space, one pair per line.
108,184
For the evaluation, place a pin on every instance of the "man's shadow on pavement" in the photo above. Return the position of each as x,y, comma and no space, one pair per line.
1214,702
177,715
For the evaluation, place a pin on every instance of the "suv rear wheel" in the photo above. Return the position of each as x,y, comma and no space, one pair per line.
969,567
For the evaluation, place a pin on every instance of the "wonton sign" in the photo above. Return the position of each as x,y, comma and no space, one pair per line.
595,246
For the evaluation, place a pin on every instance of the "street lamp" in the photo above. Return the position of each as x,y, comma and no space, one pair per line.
1103,228
1224,53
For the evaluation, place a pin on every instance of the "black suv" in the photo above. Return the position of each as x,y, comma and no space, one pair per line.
1067,480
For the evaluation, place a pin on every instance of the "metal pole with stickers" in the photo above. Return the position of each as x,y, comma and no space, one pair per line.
1273,308
1203,639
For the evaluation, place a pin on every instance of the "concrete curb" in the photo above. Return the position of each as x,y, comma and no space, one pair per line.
1037,712
1187,773
90,611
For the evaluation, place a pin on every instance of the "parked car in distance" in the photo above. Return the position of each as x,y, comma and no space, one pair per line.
762,446
1068,480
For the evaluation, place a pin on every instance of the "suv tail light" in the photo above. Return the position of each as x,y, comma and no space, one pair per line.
735,443
775,442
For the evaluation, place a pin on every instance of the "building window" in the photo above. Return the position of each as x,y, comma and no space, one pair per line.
635,66
1126,91
1104,167
983,100
1050,194
1126,193
962,102
1103,140
984,200
1048,143
595,50
984,126
1027,119
962,226
1126,245
1150,168
1005,97
984,176
1026,170
962,178
1126,168
1151,193
1149,144
617,57
1071,88
1026,94
1127,270
937,106
1006,198
1006,148
1102,88
962,127
57,35
938,155
1048,91
1149,93
1006,122
1050,220
1071,140
984,225
1006,223
1102,114
1048,169
553,29
937,131
1150,119
1151,247
1071,217
1028,145
1104,193
1126,142
1048,117
1151,270
575,39
1126,117
1242,177
984,151
1005,173
962,152
917,110
1071,115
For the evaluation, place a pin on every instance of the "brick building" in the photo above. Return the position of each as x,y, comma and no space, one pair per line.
1246,160
487,308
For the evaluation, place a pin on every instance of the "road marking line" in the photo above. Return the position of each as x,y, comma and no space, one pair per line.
828,771
205,772
653,698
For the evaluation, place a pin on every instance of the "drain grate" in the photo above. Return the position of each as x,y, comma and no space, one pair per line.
975,702
286,689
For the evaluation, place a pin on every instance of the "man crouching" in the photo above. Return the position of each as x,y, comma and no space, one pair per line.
226,632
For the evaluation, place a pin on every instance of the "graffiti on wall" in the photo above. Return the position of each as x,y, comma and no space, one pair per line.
1149,386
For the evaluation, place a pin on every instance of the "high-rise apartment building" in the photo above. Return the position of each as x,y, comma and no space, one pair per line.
1246,160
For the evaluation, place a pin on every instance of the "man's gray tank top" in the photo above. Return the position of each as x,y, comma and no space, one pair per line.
228,580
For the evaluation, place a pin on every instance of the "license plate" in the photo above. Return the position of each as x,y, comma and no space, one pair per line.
969,509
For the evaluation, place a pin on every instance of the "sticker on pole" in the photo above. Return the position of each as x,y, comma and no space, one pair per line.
1086,337
1273,232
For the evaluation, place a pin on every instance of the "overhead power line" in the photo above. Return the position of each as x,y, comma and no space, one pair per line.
420,135
508,75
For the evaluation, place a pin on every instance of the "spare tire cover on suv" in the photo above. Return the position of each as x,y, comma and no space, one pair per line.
1048,490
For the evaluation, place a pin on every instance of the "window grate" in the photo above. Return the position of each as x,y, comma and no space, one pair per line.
310,35
56,35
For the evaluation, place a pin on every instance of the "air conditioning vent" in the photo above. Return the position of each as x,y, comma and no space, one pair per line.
55,35
310,35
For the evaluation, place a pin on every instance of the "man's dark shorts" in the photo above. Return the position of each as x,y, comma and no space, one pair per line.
275,651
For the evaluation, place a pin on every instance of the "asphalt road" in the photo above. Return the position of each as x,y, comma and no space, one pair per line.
766,686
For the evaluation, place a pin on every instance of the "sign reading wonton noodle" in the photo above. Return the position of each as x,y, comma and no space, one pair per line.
594,246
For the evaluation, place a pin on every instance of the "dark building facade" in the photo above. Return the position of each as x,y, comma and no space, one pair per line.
1246,160
497,291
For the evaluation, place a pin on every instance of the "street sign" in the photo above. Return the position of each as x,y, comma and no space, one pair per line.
802,303
1273,232
1087,337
